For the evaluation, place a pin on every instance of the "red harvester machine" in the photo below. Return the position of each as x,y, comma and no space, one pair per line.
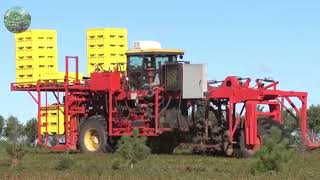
170,101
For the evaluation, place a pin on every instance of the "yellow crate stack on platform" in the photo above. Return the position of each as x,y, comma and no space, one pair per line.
60,77
36,54
106,47
53,120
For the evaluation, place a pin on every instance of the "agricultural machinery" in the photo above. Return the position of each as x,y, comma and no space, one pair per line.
167,99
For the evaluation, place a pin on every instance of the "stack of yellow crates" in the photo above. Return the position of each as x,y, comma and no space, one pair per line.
106,48
52,118
36,54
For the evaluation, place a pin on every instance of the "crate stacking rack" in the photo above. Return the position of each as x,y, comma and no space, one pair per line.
37,70
60,105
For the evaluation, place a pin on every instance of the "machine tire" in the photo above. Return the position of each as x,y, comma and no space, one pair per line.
264,129
93,135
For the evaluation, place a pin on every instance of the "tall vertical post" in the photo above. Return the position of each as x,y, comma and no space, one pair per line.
156,110
39,113
230,118
110,112
303,119
77,68
58,123
66,104
67,69
47,134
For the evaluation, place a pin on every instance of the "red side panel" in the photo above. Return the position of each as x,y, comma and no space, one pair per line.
251,123
103,81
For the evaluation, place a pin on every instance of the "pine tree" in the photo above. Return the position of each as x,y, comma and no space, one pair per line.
31,130
274,154
133,149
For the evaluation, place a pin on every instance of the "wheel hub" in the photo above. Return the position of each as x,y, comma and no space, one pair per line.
92,140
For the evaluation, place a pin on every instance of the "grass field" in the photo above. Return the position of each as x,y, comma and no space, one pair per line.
43,166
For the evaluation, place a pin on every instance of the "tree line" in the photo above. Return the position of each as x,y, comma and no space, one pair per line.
313,119
12,129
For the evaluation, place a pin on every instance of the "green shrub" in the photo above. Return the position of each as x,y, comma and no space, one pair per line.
65,163
116,165
273,155
133,149
39,150
15,152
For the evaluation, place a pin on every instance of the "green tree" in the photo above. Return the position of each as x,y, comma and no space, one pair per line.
291,123
31,130
274,154
14,130
1,125
15,147
313,117
133,149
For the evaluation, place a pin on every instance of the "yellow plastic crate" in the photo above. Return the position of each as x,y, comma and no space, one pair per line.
36,53
33,44
103,43
36,44
94,67
52,129
51,118
106,49
36,34
108,63
32,75
26,79
106,33
60,76
48,63
111,66
39,57
106,46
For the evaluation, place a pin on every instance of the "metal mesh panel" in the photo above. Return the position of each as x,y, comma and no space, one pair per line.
172,77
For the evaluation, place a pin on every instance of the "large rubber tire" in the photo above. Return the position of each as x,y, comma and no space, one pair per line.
93,135
264,129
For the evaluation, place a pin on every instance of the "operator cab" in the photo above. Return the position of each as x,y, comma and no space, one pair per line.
144,64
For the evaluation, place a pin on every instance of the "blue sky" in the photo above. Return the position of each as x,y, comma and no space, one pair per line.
247,38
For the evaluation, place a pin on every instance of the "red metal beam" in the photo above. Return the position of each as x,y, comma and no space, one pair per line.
110,111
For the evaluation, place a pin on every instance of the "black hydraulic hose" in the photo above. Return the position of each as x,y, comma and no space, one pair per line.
166,107
126,104
161,102
179,110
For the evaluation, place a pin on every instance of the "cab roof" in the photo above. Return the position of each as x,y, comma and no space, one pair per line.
154,52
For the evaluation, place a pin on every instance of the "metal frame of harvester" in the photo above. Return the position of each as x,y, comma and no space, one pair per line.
70,91
220,126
